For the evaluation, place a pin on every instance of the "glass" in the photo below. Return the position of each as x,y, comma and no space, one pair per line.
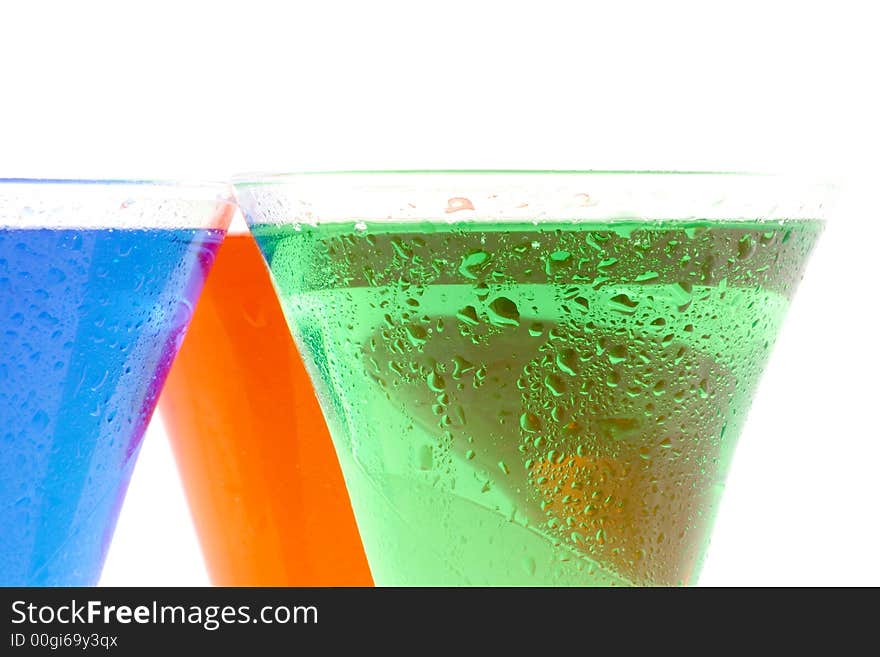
534,378
97,284
262,480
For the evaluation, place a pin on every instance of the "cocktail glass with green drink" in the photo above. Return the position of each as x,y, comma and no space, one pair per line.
534,378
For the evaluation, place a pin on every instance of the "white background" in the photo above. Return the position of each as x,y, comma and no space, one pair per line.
207,89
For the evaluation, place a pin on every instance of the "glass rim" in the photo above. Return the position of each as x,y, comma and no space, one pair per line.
257,178
114,203
538,195
91,183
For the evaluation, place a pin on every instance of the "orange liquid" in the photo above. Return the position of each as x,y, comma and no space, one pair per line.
258,466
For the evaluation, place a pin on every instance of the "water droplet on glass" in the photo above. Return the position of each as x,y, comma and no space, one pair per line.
503,312
530,422
471,264
457,204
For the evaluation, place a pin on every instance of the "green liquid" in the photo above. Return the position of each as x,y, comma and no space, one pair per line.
523,404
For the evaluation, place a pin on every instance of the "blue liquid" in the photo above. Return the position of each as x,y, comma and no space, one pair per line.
90,321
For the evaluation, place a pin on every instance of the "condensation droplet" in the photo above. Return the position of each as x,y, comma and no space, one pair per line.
458,203
503,312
